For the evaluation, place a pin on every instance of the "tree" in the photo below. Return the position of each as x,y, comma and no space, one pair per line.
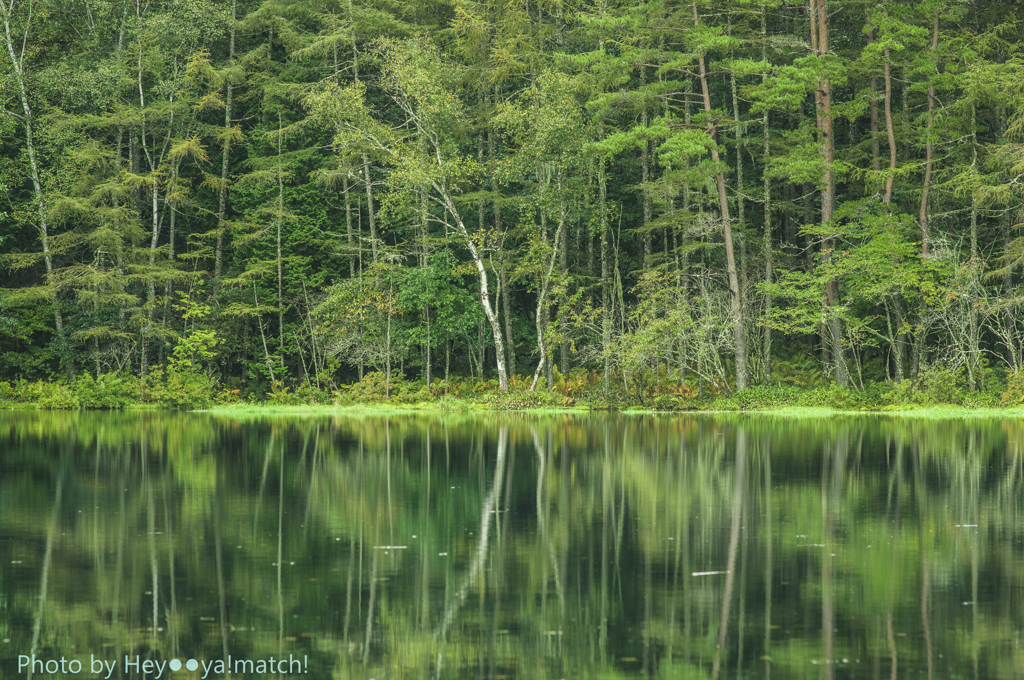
421,85
360,318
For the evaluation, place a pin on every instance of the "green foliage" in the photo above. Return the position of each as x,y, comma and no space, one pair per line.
41,394
1014,394
316,165
375,388
437,288
304,394
178,388
360,319
108,390
934,385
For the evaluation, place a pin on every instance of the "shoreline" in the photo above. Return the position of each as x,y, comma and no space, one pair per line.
937,412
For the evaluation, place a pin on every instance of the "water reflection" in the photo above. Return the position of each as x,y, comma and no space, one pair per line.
514,546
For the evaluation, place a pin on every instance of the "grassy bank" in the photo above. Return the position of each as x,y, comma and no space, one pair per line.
934,392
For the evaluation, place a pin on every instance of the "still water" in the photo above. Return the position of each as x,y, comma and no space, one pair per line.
510,547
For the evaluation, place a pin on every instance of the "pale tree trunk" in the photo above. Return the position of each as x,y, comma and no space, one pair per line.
606,288
890,131
369,207
507,305
365,159
151,157
502,274
280,259
543,319
425,237
263,337
739,191
348,228
645,170
18,70
545,284
974,340
485,298
739,330
563,262
873,85
155,155
218,268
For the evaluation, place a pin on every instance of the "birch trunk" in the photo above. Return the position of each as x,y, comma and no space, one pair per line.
18,70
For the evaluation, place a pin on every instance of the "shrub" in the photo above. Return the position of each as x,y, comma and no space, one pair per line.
374,388
523,399
53,395
178,388
933,385
108,390
1014,394
941,385
228,396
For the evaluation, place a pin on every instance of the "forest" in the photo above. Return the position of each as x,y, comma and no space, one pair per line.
649,201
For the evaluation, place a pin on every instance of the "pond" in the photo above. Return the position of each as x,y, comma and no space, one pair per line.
509,547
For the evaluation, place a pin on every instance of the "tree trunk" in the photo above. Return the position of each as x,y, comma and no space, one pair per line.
606,288
503,277
873,86
348,227
545,284
280,254
890,132
218,268
485,298
926,237
18,68
899,342
645,176
974,351
507,305
369,207
563,262
739,331
544,320
425,262
823,106
768,263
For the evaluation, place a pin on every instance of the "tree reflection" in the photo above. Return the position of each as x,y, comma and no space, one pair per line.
422,547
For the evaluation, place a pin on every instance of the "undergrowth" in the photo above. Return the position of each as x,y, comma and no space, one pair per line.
794,387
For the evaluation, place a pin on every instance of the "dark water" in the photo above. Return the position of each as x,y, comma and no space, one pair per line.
511,547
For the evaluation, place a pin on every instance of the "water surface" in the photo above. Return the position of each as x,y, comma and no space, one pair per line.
513,547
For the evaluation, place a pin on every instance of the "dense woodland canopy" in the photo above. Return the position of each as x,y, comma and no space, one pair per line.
301,192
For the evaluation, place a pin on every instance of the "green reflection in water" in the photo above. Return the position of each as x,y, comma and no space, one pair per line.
515,547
